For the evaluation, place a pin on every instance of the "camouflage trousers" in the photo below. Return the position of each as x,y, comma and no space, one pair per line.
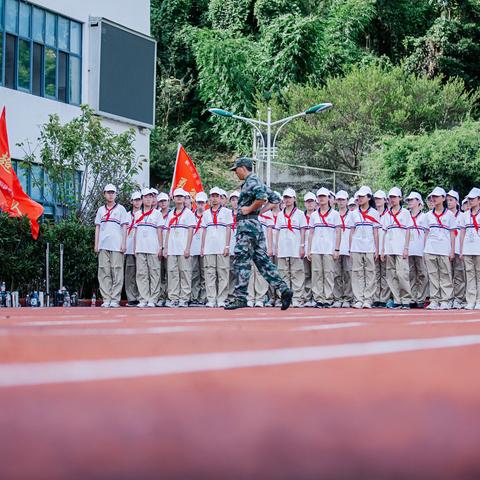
251,246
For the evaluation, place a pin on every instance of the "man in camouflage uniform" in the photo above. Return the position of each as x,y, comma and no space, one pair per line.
250,240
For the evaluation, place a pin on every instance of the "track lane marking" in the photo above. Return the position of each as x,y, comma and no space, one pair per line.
101,331
327,326
55,323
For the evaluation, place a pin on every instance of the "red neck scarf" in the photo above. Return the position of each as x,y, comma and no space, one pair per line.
138,220
234,214
199,218
289,218
324,216
385,210
438,217
342,218
215,214
176,217
365,215
395,217
109,211
414,220
474,219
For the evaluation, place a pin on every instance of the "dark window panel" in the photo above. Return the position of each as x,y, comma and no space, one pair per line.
10,61
37,69
62,76
24,64
50,72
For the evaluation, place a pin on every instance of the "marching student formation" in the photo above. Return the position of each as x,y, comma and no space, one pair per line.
372,250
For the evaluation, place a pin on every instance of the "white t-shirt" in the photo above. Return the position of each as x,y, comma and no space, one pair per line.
197,235
275,233
417,235
381,230
471,243
438,240
396,227
323,231
345,228
178,226
131,231
457,216
165,226
267,222
111,227
215,225
146,236
289,236
233,235
363,240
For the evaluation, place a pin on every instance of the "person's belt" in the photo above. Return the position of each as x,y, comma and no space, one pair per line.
250,216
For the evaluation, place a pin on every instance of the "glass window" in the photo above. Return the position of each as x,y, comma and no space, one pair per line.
24,64
62,76
1,52
22,174
75,80
24,23
50,72
11,15
1,14
75,37
50,28
38,25
63,33
37,69
10,48
36,183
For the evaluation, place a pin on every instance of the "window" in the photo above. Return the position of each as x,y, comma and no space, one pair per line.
41,51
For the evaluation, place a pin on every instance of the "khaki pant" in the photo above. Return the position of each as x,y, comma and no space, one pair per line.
216,278
323,278
382,292
110,275
257,286
398,278
198,280
307,291
458,279
439,271
131,278
363,277
472,273
418,279
231,276
292,273
342,286
179,278
148,277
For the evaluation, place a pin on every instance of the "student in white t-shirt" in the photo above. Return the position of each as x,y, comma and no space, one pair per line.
364,225
148,245
164,209
342,290
395,246
111,224
310,202
383,294
291,227
199,296
273,295
180,224
439,251
470,248
324,249
418,270
234,196
131,289
458,266
217,228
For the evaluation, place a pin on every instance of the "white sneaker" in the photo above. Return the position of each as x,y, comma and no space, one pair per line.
210,305
472,306
337,304
346,305
367,305
182,304
457,305
296,304
161,303
358,305
221,304
444,306
259,304
477,306
105,304
142,305
433,306
170,304
151,305
114,305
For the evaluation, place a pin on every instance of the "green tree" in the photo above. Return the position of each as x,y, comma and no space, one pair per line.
234,15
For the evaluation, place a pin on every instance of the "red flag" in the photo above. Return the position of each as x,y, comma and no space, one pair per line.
13,199
185,174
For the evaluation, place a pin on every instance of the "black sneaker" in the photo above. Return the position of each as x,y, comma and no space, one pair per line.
319,305
133,303
286,299
234,304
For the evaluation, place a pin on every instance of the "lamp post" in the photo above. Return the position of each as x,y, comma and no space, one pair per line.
279,124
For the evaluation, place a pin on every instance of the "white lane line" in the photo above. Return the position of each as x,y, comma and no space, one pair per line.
441,322
14,375
327,326
68,332
55,323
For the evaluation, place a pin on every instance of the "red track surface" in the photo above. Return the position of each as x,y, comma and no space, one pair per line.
408,414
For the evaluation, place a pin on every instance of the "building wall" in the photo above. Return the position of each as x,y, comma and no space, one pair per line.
26,112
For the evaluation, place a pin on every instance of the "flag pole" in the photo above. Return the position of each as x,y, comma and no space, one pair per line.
175,169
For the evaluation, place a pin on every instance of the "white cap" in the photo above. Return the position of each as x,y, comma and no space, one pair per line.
351,201
364,191
465,200
342,195
474,193
380,194
136,195
323,191
216,190
309,196
146,191
454,194
187,195
331,194
201,197
438,192
223,193
395,192
180,192
154,190
289,192
110,188
355,195
415,196
162,196
235,193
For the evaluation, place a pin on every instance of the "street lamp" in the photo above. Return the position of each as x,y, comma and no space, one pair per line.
257,124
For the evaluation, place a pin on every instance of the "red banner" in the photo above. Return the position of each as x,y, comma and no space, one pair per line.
185,174
13,199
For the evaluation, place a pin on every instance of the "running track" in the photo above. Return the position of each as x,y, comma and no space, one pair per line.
252,394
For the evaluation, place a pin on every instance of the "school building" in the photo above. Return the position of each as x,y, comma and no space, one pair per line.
56,55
